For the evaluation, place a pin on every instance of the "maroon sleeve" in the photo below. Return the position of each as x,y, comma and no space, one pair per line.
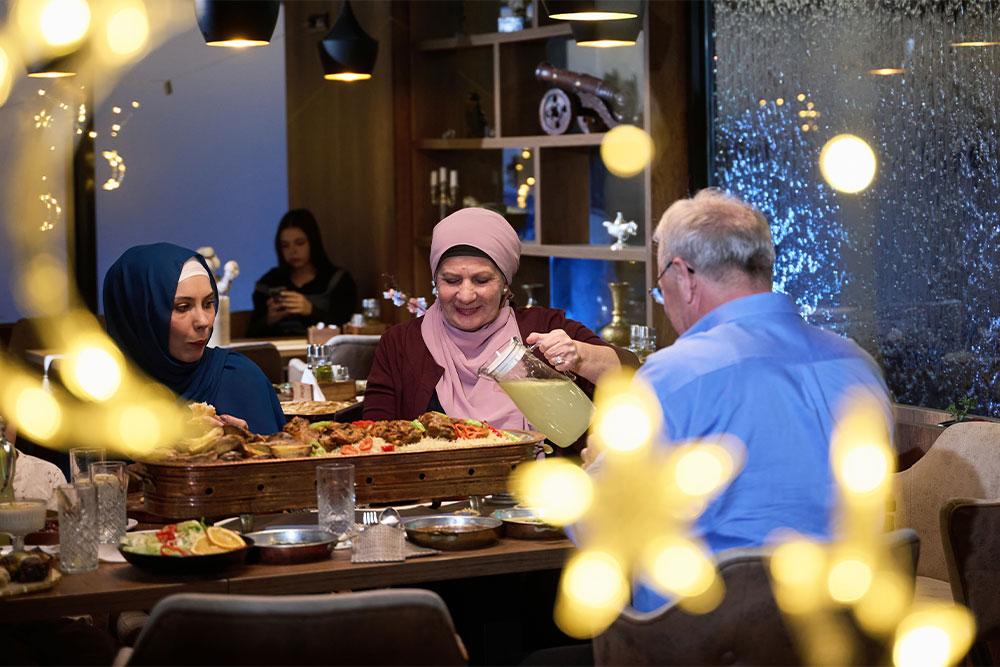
381,392
543,320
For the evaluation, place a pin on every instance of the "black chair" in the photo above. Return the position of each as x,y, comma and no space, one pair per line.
383,627
266,356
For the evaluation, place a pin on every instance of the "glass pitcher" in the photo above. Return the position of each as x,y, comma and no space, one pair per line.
8,460
549,400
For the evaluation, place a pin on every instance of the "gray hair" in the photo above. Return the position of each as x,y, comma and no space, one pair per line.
717,234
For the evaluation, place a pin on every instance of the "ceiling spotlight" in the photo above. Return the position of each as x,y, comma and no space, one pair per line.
347,52
237,23
592,10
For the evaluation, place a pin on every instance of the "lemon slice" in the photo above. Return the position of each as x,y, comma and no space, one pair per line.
203,547
224,538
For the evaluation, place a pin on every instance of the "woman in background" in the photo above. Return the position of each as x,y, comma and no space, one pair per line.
305,287
160,303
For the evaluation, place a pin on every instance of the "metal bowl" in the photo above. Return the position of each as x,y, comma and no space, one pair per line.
453,532
284,546
522,523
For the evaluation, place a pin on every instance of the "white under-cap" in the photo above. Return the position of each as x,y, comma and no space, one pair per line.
192,268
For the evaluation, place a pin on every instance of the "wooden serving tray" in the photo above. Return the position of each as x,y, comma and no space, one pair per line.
215,490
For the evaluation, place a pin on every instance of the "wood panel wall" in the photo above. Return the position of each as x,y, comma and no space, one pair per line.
341,162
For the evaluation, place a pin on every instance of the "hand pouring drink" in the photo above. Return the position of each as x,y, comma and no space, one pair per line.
550,400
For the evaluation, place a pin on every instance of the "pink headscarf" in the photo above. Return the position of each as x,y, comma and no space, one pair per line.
462,353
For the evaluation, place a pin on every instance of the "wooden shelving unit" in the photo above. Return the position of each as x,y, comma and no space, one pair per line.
456,55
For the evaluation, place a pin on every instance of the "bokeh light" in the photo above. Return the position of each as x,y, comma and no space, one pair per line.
849,580
626,150
798,568
6,75
848,163
558,489
679,567
624,427
885,603
703,470
96,372
933,634
128,30
37,413
137,427
64,21
864,468
593,592
42,286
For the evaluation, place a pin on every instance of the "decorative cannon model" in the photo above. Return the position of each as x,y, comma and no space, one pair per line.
594,103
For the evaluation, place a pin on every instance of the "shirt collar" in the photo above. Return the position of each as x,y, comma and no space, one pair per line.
755,305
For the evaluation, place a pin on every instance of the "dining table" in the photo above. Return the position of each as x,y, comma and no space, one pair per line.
115,587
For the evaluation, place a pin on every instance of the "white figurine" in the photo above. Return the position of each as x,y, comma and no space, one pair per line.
208,252
621,230
230,271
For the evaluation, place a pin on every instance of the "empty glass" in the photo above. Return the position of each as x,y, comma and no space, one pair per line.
643,341
335,499
77,527
111,481
80,459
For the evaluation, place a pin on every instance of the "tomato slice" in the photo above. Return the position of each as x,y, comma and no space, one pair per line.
366,444
171,550
347,450
363,423
388,448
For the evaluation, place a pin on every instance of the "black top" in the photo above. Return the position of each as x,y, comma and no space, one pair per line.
332,293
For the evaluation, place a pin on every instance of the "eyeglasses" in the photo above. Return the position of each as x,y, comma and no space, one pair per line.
656,293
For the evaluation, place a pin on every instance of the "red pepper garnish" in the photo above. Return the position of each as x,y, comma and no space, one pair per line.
171,550
347,450
366,444
388,448
363,423
469,432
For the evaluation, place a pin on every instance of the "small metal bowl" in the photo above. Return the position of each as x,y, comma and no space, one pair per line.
284,546
522,523
453,532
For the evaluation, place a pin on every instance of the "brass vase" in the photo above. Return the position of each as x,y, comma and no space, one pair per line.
617,331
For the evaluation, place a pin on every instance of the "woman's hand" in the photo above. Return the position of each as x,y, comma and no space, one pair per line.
558,348
232,421
275,311
295,303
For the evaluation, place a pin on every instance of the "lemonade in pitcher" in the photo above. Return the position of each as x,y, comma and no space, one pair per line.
549,400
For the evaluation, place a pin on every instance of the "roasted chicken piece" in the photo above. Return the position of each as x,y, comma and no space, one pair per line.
396,432
300,430
438,425
337,435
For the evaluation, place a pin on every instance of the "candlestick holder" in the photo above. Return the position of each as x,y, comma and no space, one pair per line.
444,196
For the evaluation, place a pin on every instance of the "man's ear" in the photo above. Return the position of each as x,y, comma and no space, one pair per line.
686,284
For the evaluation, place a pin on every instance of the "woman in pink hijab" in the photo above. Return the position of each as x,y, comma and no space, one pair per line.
432,363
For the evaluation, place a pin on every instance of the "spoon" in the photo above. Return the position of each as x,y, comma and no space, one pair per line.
390,517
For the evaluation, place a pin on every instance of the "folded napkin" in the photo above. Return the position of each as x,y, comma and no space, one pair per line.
384,544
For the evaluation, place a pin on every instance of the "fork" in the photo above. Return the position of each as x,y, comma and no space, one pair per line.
369,517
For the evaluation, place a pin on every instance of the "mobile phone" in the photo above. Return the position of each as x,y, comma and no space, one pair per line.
275,292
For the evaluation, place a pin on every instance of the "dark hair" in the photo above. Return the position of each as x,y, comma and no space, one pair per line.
301,218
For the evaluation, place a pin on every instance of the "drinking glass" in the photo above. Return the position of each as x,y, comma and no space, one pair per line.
643,341
80,459
20,517
111,481
77,527
335,499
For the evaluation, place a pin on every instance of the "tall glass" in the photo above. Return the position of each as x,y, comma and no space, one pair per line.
111,481
642,341
77,527
80,459
549,400
335,499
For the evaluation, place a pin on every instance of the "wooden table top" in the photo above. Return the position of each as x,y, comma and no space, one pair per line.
118,587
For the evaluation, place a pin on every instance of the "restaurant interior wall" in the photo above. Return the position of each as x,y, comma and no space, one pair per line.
341,143
205,154
910,266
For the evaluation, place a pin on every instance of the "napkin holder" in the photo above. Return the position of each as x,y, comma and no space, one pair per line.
317,336
338,391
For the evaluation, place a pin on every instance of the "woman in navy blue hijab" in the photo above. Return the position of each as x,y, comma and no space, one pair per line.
160,303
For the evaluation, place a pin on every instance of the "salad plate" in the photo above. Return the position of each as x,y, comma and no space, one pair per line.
167,551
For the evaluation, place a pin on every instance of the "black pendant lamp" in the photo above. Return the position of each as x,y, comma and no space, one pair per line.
347,52
592,10
237,23
56,68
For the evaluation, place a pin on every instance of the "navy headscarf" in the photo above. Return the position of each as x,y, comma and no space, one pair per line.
139,292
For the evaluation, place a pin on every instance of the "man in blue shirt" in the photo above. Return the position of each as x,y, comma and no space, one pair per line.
747,364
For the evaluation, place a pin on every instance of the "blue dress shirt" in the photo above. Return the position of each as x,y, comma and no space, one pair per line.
754,369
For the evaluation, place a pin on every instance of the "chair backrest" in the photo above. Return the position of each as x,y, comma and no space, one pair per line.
354,351
266,356
239,322
971,530
746,628
384,627
963,462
